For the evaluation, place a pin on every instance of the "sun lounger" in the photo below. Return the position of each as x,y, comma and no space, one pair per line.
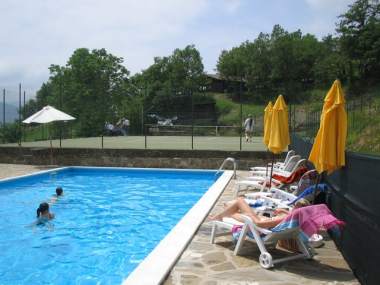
277,165
300,225
261,184
288,168
262,237
277,195
304,189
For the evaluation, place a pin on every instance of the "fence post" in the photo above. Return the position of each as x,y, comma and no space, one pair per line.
4,108
102,141
192,119
23,116
3,114
294,118
145,142
241,114
290,118
142,119
19,114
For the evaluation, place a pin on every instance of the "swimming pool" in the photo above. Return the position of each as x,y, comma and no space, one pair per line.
107,222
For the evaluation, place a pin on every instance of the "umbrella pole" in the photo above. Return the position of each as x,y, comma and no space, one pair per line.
51,152
51,146
271,172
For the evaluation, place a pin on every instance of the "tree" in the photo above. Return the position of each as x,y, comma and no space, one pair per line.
359,30
169,80
330,64
91,86
186,69
281,62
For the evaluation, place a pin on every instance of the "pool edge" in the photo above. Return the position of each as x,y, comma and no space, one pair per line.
155,267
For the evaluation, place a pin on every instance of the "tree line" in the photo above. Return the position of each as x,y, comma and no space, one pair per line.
292,63
94,86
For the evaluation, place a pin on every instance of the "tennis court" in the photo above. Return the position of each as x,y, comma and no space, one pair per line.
153,142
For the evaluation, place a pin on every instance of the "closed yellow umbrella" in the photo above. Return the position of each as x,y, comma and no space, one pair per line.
267,122
329,145
279,128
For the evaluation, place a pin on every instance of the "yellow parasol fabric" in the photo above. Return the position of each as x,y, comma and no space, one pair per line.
267,122
329,145
279,128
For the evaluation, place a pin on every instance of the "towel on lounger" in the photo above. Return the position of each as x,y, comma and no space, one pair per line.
309,219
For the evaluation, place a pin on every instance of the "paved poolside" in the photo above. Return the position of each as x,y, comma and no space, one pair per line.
214,264
207,264
10,170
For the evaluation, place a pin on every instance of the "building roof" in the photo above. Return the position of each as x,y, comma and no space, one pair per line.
218,76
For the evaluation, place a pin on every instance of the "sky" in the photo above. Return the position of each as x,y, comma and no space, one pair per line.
37,33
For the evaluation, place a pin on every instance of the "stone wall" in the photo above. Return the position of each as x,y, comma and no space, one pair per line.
131,157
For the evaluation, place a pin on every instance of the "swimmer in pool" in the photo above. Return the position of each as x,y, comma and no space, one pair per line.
43,213
58,193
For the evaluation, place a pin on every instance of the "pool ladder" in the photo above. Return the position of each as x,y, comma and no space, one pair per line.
231,159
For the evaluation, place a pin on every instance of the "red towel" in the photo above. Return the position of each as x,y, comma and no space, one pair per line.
292,178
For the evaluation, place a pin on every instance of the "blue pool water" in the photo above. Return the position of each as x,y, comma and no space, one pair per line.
106,223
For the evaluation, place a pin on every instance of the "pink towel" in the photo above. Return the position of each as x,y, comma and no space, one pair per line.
312,218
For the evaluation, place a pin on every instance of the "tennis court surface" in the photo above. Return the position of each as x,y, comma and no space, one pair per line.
153,142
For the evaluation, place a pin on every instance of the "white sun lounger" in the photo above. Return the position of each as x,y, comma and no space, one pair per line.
263,238
277,165
288,168
277,195
259,183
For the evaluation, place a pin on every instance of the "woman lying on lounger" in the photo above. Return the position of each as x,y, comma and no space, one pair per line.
240,206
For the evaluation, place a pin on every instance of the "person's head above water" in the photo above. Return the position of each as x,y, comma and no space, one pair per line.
59,191
43,209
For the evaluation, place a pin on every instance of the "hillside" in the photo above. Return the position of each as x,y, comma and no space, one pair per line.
229,110
363,117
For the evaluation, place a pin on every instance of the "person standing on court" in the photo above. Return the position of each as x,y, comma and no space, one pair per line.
248,128
125,126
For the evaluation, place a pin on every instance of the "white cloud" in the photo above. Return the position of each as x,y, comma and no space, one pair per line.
329,8
38,33
231,6
329,4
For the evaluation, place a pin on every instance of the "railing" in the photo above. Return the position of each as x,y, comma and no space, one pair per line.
228,159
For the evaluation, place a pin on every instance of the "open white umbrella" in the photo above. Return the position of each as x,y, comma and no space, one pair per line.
46,115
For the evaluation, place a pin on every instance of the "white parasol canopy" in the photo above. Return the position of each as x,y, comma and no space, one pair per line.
48,114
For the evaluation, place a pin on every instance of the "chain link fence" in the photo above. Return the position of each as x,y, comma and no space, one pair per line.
363,119
208,125
150,128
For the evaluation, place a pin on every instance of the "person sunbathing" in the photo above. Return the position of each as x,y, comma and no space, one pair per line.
240,206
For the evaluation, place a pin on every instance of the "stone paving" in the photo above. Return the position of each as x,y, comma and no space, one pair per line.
9,170
214,264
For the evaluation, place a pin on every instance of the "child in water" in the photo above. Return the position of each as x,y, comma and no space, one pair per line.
43,214
58,193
